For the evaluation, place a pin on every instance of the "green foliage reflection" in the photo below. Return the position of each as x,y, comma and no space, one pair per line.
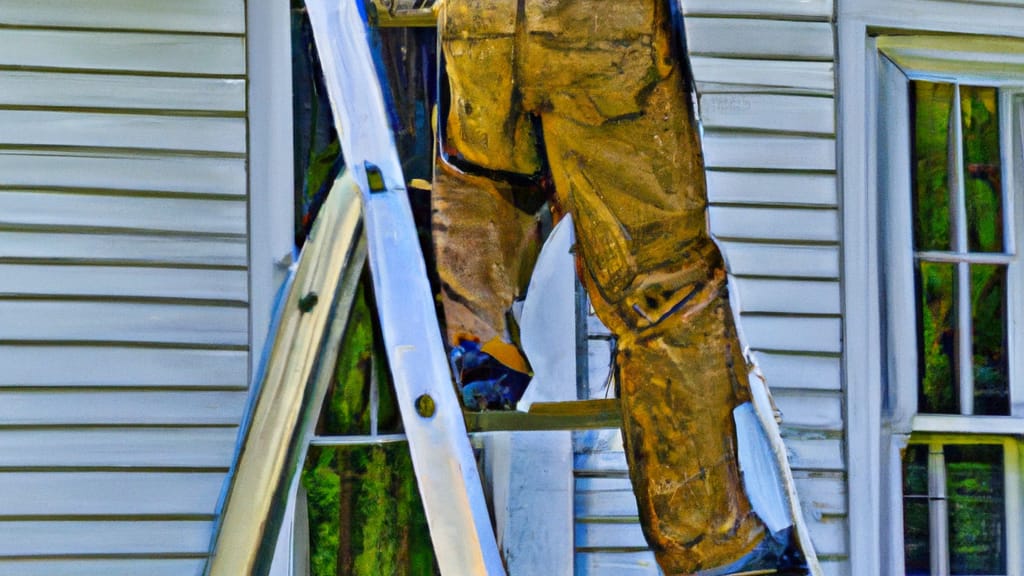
365,513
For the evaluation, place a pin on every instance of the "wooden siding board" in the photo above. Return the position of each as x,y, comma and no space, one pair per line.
188,54
792,333
821,495
821,9
780,75
124,322
123,281
111,366
771,188
106,567
814,454
210,16
829,535
53,128
118,447
751,259
227,251
769,223
186,215
768,152
759,38
122,408
64,538
789,296
605,504
115,91
609,535
140,171
801,372
108,493
769,112
616,563
807,410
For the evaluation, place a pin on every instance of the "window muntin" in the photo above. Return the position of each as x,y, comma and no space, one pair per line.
960,249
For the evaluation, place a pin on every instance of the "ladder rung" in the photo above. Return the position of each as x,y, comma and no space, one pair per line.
359,440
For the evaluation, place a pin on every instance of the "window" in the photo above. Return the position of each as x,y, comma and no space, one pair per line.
950,139
955,505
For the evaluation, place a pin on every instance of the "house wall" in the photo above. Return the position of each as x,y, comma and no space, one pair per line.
124,289
765,76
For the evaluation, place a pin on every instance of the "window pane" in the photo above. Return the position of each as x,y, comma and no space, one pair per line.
982,175
932,104
936,288
915,509
988,310
977,513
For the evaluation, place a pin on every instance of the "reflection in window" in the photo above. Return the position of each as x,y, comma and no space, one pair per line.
960,250
954,511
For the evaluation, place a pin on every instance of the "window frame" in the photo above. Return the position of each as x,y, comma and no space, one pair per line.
899,253
898,60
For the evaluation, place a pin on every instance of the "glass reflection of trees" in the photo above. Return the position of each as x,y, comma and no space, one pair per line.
959,238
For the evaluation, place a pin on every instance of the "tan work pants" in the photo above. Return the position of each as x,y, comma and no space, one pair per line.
591,92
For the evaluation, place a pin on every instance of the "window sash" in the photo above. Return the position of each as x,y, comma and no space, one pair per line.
900,257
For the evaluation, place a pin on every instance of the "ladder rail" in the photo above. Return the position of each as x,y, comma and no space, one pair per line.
275,432
442,456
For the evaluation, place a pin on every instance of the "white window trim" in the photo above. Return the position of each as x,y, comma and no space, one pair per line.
270,163
873,451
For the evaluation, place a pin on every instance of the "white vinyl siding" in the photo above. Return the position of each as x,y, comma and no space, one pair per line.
124,280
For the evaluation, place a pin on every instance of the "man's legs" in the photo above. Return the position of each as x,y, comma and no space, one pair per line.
657,280
626,163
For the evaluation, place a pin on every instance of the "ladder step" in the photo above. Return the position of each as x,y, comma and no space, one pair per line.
573,415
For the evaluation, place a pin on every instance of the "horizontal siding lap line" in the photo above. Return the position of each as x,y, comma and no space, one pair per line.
768,17
107,71
122,192
158,112
744,55
770,171
782,242
727,88
109,556
7,296
120,263
38,342
110,230
127,468
112,426
18,387
5,25
61,149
